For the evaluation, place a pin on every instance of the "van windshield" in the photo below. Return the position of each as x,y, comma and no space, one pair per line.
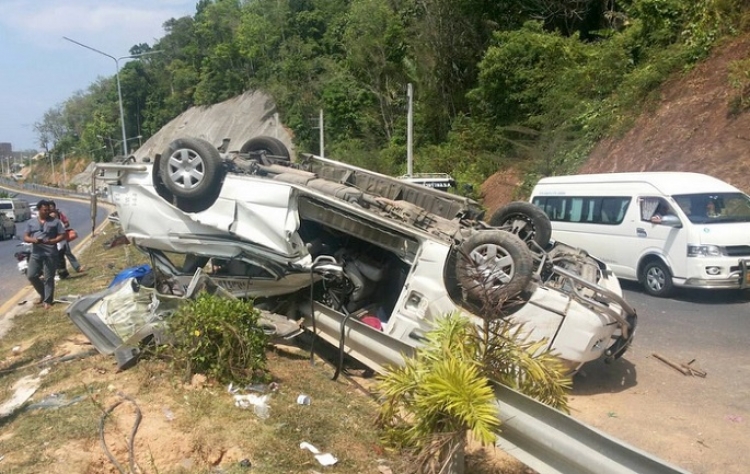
6,205
715,207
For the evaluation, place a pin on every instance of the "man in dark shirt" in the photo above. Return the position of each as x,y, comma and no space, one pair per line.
43,233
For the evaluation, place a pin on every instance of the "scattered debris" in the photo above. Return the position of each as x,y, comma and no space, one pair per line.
303,399
734,418
258,402
55,400
325,459
383,469
23,389
684,369
693,370
115,241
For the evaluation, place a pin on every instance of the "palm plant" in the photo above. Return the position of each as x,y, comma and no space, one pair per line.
444,392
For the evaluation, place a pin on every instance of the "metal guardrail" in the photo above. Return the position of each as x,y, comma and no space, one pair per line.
33,188
552,442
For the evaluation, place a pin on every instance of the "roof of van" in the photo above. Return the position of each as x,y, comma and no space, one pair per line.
668,182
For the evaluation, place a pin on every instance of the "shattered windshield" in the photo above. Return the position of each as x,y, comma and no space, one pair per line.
715,207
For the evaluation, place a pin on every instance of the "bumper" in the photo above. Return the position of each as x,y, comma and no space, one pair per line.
737,278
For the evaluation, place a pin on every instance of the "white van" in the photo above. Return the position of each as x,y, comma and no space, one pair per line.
662,229
16,209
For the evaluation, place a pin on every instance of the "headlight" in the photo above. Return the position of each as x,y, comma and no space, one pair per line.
703,250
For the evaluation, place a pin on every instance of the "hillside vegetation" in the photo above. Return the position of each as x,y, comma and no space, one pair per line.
530,85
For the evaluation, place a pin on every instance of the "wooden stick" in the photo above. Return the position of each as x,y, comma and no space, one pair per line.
671,364
693,370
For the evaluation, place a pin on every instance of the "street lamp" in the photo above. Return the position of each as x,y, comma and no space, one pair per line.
119,91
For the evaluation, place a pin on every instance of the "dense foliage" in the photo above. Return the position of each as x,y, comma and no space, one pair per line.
524,83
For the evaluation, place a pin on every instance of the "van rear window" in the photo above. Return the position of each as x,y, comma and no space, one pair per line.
584,209
6,205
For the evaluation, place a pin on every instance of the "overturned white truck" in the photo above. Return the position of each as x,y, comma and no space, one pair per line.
363,260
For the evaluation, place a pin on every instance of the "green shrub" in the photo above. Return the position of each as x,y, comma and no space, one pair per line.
219,337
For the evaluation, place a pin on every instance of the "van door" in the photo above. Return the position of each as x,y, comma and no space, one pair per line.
662,238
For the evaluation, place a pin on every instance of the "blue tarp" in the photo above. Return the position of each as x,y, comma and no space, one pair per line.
137,272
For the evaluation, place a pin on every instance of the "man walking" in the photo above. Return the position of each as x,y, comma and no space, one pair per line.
43,233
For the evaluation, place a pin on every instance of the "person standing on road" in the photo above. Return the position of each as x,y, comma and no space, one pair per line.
64,246
43,233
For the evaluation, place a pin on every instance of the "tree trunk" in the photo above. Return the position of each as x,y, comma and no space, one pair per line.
454,456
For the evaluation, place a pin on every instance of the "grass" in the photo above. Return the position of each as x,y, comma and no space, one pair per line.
185,427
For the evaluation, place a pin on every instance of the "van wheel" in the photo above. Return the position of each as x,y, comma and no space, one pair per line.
493,266
192,171
656,279
525,220
269,145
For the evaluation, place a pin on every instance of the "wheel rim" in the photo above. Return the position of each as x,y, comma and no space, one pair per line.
520,225
186,169
655,279
491,266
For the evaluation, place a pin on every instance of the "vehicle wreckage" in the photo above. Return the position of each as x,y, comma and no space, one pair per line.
366,261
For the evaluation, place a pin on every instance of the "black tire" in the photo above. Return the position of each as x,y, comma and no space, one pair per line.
525,220
656,279
493,266
159,186
270,145
191,169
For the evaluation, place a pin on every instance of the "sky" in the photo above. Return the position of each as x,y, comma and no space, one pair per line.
40,70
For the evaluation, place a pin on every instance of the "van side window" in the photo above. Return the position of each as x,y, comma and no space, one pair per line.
654,206
585,209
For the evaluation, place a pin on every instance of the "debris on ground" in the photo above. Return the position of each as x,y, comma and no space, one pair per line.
325,459
23,389
684,369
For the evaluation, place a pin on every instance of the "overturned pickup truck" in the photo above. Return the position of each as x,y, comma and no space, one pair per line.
363,260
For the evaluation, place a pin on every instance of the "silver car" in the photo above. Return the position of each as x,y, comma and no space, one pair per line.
366,261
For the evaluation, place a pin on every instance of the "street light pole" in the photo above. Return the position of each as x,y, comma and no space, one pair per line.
119,90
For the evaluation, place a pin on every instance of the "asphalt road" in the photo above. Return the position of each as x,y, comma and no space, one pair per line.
79,214
699,424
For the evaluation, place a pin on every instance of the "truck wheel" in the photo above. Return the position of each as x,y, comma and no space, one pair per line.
191,169
656,279
493,266
525,220
269,145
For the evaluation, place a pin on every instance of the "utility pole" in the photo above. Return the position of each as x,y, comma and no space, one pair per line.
409,126
52,163
322,135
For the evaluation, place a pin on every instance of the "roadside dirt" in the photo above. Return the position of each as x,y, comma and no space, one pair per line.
691,127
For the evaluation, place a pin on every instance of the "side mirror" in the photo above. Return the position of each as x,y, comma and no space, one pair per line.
671,221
